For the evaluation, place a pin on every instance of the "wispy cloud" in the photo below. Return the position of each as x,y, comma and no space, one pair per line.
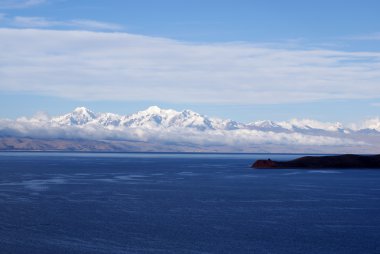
121,66
42,22
19,4
365,37
86,23
2,16
33,22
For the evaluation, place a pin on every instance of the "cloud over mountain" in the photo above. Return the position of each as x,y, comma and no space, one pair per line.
166,126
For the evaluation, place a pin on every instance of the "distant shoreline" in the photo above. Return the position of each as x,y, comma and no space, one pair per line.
141,152
344,161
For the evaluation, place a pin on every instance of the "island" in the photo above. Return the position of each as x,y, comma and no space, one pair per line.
346,161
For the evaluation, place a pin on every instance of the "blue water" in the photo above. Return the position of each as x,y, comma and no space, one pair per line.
182,203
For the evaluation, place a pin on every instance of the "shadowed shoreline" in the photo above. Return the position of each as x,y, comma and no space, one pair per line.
346,161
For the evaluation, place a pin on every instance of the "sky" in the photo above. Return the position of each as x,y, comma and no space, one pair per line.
242,60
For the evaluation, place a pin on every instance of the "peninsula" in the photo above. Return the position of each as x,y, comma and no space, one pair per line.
346,161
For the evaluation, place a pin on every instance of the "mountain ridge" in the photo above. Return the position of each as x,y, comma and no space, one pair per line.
192,130
170,117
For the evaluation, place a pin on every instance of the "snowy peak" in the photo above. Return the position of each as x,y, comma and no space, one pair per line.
153,110
109,119
155,117
196,131
264,124
152,117
188,118
84,113
308,124
79,116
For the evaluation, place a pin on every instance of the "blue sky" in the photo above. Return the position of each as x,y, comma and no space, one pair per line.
215,57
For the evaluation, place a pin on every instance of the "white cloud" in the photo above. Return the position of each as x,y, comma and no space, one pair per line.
372,124
366,37
310,123
174,128
93,24
18,4
120,66
234,138
42,22
33,22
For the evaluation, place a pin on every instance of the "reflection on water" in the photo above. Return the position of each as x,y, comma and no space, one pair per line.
182,203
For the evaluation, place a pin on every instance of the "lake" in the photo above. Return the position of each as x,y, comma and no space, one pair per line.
182,203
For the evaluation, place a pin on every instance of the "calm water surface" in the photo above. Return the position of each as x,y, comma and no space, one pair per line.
182,203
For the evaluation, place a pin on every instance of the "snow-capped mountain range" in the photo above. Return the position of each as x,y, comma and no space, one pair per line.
167,126
151,118
155,117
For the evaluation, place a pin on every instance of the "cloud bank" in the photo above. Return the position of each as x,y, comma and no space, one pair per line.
156,125
233,138
121,66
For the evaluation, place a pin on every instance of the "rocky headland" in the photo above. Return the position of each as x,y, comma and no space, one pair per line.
346,161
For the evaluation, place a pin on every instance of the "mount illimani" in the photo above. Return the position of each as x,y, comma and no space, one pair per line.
166,130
